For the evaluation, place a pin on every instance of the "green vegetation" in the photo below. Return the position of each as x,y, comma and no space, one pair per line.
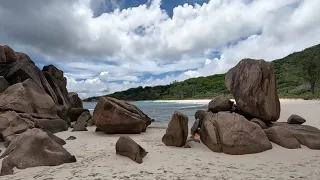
298,76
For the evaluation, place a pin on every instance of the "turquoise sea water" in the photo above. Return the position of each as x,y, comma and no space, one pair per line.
161,112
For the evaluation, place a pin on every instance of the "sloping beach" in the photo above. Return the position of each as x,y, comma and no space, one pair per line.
96,157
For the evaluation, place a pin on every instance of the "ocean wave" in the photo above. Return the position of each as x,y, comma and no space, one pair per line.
194,107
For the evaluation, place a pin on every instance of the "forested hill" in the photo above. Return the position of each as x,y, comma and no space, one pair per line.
298,76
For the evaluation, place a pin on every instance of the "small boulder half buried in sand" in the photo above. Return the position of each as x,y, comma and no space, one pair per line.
125,146
33,148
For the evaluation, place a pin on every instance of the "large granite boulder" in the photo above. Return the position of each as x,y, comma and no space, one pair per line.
74,113
81,122
51,125
75,101
30,91
306,135
28,97
84,118
125,146
177,131
17,67
33,148
253,85
18,123
231,133
220,103
3,84
282,137
59,85
296,119
7,55
119,117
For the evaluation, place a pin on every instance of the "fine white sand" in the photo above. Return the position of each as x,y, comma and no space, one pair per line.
96,157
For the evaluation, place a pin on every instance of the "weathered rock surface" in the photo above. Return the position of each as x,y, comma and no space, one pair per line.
33,148
51,125
119,117
220,103
29,98
253,85
17,67
74,113
81,123
125,146
282,137
40,94
84,118
296,119
75,101
231,133
56,138
200,114
79,127
177,131
259,122
7,55
91,122
59,85
9,139
3,84
306,135
18,123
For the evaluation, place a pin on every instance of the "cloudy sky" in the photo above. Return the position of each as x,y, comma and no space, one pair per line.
105,46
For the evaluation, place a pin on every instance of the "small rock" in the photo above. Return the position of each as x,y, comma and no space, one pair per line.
71,138
296,119
125,146
220,103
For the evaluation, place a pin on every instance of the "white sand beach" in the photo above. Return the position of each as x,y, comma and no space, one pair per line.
96,157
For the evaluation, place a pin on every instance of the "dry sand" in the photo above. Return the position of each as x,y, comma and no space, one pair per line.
96,158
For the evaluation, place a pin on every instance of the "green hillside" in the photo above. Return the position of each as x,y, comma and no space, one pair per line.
293,75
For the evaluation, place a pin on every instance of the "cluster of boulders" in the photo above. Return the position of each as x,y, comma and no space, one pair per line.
248,125
34,104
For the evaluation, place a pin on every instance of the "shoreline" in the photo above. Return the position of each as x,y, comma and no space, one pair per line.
97,159
204,101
